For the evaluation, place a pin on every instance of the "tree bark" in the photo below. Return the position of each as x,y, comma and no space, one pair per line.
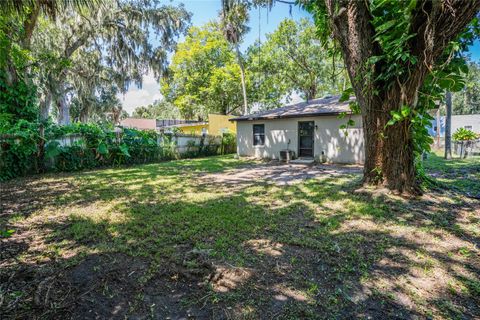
242,75
45,105
30,23
63,106
389,150
448,126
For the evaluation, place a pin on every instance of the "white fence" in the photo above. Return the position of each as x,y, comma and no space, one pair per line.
470,148
183,142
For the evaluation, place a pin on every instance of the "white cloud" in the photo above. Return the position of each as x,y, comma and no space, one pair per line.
157,96
136,97
149,78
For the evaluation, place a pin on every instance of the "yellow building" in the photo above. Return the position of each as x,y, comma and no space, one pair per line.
195,129
216,125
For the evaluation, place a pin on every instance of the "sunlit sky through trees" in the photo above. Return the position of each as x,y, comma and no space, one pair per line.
262,21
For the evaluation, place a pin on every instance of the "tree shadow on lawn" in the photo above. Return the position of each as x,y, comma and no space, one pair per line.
24,196
312,250
462,175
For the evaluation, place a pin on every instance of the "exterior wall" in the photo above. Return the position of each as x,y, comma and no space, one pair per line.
282,134
193,129
141,124
458,121
218,123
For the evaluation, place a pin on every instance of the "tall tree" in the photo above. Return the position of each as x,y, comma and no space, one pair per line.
390,49
292,59
111,44
467,101
204,75
234,17
25,15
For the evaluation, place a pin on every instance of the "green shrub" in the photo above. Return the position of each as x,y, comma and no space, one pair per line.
99,145
18,150
465,137
463,134
229,143
74,158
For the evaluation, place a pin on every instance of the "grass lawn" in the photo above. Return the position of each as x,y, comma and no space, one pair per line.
170,240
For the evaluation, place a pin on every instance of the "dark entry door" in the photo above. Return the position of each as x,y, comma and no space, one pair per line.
305,138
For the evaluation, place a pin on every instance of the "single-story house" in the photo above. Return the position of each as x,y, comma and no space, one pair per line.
194,129
467,121
140,124
310,129
216,125
152,124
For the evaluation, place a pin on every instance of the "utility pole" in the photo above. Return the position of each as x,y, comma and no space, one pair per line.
448,126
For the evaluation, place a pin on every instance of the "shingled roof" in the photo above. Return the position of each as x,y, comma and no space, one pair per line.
317,107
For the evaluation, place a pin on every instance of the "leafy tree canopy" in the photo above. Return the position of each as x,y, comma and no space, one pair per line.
158,110
293,59
204,76
400,55
467,101
88,50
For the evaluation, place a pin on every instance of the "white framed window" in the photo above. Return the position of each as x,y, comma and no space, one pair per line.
258,134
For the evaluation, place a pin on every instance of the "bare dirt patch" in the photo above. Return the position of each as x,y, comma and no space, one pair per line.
279,173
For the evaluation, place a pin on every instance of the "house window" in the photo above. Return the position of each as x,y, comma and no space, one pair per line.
258,134
468,127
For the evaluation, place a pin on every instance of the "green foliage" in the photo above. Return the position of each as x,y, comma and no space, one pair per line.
18,149
398,72
392,22
293,59
229,143
467,101
87,52
17,101
93,146
52,149
158,110
204,75
17,97
463,134
74,158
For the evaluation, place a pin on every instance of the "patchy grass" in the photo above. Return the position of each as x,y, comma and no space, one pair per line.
174,240
462,175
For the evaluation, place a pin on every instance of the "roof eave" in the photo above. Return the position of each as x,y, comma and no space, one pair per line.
317,114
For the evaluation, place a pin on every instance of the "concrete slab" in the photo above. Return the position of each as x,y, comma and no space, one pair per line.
302,161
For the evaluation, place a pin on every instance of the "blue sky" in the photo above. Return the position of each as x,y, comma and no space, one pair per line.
474,51
204,11
261,21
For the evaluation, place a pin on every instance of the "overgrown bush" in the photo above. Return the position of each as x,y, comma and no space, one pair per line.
18,150
94,146
229,143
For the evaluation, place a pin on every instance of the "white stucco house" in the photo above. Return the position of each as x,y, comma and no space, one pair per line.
467,121
312,130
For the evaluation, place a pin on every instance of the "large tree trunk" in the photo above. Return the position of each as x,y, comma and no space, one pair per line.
63,106
389,150
242,75
44,111
448,126
389,156
45,106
